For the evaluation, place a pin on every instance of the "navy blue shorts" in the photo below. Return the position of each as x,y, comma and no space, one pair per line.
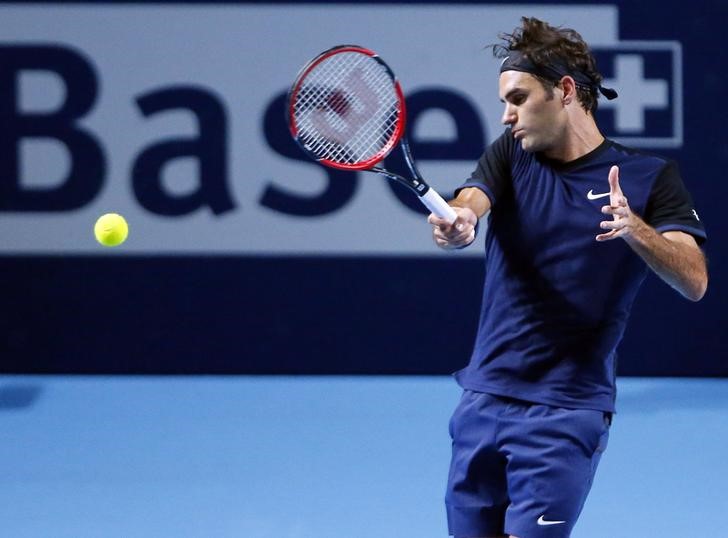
520,468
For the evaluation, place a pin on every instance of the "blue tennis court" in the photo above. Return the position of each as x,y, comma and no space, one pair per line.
317,457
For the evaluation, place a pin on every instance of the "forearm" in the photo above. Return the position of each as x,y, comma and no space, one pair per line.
674,257
474,199
470,204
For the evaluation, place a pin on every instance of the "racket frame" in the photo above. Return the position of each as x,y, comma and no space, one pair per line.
428,196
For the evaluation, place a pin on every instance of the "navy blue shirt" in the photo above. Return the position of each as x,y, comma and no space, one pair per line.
555,300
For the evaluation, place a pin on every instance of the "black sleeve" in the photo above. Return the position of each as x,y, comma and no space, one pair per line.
493,173
670,206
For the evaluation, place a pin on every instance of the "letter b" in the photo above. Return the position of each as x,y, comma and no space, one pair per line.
86,174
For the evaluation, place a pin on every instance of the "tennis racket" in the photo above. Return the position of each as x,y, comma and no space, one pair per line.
346,109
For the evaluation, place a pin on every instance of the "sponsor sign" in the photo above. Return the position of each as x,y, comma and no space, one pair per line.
173,115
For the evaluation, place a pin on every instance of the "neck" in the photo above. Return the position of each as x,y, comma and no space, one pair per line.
581,136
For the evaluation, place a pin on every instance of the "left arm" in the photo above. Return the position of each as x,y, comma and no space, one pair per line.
674,256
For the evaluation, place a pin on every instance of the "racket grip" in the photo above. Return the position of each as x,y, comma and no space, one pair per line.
435,203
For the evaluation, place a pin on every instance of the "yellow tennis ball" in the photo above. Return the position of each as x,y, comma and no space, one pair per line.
111,230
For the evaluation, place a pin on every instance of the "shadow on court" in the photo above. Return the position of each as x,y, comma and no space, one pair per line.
21,396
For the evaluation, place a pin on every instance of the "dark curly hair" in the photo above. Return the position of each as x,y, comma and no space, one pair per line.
543,44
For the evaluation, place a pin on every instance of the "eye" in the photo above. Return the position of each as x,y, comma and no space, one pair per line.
518,99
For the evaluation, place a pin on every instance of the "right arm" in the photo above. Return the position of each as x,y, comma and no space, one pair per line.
470,205
474,199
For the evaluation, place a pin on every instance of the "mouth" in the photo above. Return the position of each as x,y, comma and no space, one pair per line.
517,133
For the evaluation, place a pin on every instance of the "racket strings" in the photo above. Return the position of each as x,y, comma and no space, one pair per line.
347,112
347,108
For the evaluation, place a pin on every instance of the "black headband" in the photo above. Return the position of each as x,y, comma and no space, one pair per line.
517,61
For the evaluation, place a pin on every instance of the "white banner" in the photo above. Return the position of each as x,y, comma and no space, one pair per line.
153,65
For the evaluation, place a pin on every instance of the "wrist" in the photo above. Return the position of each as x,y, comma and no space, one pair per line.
640,233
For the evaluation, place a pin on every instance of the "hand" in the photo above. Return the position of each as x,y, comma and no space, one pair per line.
456,235
624,223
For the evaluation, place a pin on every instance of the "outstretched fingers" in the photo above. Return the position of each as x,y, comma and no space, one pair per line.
618,208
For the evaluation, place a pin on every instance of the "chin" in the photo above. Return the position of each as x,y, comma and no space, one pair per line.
532,146
528,145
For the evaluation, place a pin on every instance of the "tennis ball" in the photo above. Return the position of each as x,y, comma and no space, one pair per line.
111,230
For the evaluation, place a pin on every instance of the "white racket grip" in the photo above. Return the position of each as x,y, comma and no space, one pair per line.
435,203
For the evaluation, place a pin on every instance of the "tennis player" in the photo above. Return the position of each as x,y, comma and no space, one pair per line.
575,222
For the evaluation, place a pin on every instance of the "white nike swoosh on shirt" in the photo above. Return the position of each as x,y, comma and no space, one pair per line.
542,521
593,196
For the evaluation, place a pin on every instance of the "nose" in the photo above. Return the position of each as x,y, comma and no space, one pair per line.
509,114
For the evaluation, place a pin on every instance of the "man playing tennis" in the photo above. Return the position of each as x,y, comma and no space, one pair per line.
575,223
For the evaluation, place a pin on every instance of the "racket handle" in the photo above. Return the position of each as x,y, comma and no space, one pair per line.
435,203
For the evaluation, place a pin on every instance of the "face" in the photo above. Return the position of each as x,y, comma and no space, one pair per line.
536,119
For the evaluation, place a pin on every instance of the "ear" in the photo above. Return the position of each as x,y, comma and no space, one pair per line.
569,88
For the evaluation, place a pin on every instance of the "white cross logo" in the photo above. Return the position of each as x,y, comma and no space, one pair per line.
636,93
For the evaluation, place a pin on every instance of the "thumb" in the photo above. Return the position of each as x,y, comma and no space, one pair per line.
614,180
